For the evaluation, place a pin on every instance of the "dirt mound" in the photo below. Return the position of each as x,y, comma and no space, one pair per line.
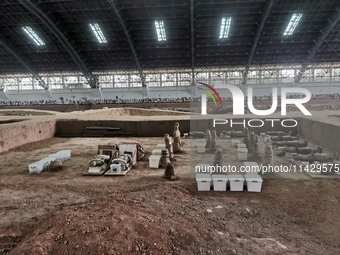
23,112
111,112
165,220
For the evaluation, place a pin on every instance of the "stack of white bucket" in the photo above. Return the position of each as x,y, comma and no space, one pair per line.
42,165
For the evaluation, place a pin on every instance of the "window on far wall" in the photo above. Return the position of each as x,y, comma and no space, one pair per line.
184,79
25,83
135,81
121,81
168,79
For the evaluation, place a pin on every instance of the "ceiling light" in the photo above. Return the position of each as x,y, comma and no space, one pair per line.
292,24
98,33
30,32
161,36
225,26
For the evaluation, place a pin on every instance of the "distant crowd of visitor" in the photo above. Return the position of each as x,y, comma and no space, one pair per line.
149,100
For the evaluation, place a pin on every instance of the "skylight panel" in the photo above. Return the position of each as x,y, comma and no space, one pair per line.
225,27
292,24
159,24
98,33
30,32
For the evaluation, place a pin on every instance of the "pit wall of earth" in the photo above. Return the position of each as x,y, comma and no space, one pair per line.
15,134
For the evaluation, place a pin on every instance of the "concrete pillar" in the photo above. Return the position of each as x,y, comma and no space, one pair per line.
3,92
145,91
193,91
96,92
48,93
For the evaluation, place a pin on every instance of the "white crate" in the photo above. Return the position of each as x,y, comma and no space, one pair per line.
234,143
154,161
42,165
304,163
59,155
94,170
242,150
251,167
56,155
50,158
65,154
33,168
254,182
236,182
200,141
203,182
219,182
156,152
242,154
241,145
161,146
116,168
201,148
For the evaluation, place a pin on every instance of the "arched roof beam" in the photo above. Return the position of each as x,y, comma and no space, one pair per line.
124,26
324,33
266,12
92,81
35,75
192,38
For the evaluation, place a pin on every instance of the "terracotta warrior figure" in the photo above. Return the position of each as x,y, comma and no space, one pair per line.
268,156
178,132
165,159
213,141
169,172
168,145
251,138
218,158
177,139
246,139
208,136
255,155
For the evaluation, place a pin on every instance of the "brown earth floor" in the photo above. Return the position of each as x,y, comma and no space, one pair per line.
64,212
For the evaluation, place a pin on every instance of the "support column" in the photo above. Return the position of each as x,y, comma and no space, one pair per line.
48,93
96,92
145,91
3,92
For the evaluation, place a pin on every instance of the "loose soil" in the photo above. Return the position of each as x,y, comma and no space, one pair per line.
64,212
